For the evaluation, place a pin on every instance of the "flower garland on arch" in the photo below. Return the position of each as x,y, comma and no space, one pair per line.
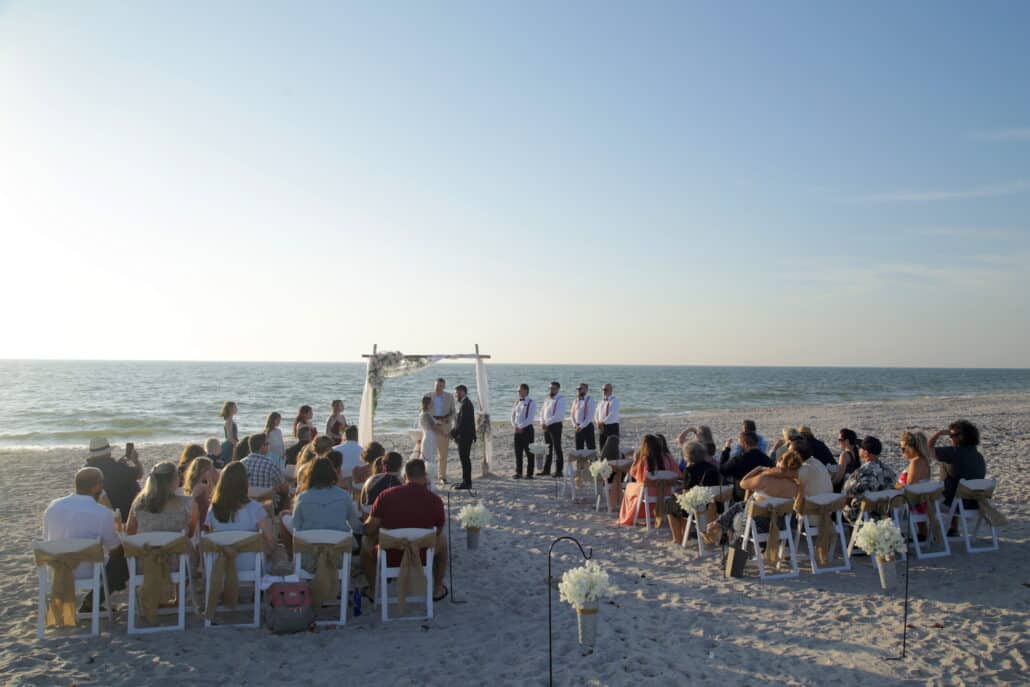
389,364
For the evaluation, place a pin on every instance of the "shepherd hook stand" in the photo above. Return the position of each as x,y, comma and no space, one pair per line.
450,555
550,649
904,621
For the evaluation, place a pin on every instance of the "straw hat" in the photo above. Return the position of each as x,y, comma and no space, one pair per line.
99,448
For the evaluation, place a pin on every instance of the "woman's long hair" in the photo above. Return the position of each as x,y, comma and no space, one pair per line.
704,435
320,475
242,450
651,451
159,488
228,408
270,422
918,442
189,453
230,492
301,412
197,469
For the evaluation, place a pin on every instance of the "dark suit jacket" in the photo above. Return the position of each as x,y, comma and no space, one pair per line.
465,423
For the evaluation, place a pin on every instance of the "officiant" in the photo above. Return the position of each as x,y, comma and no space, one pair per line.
442,408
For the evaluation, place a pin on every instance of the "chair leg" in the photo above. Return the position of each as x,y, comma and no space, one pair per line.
95,614
430,587
344,586
133,581
41,605
686,530
257,588
181,625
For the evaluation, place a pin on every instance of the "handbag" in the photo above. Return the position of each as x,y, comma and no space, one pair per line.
288,607
736,559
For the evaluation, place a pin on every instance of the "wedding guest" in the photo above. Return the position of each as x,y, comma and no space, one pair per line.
232,510
610,452
464,434
764,482
916,450
523,413
230,430
783,444
813,477
551,418
703,434
820,451
697,469
336,422
750,426
120,476
305,434
158,508
262,472
443,413
322,505
409,505
351,450
368,457
199,484
276,446
663,444
847,461
377,484
871,475
649,460
305,417
242,450
744,463
213,449
959,461
607,415
189,453
582,418
319,448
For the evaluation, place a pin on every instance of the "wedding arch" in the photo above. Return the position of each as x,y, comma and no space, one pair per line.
389,364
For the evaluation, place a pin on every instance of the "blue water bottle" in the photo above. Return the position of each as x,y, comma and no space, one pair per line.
357,603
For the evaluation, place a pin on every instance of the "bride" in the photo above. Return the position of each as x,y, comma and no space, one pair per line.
427,424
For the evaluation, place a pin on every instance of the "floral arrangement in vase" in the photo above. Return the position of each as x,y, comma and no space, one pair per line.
880,538
696,499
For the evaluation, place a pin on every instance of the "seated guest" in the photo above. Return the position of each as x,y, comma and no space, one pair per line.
871,475
703,435
189,452
200,484
783,444
649,460
409,505
319,448
242,450
368,457
761,445
351,450
848,460
916,450
698,471
763,482
120,476
322,505
820,451
744,463
304,434
158,508
232,510
813,477
959,461
262,471
377,484
213,450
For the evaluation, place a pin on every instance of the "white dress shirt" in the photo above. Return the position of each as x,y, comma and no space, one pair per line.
608,411
583,410
78,516
523,413
554,410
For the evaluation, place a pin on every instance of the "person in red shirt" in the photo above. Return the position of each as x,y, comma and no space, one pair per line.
410,505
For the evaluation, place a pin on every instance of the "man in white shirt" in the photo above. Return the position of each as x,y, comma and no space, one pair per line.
551,418
350,449
582,417
523,414
607,416
443,409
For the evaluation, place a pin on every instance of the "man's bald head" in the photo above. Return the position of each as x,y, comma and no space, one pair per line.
89,481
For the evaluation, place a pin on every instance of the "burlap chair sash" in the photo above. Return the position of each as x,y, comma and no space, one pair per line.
823,516
773,511
662,484
225,583
411,580
157,578
918,498
583,460
983,503
881,507
60,610
326,554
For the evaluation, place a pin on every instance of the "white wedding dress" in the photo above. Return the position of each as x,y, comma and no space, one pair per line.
428,447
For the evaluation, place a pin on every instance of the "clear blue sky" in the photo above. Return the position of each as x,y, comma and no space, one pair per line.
762,183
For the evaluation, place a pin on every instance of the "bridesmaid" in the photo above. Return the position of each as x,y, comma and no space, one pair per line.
303,419
232,436
276,447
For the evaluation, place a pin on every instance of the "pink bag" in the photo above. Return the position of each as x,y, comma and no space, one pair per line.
288,607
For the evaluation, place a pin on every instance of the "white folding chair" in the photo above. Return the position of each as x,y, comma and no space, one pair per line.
699,521
973,487
537,449
250,576
179,577
659,482
326,537
771,507
884,501
810,529
93,584
385,573
933,510
577,464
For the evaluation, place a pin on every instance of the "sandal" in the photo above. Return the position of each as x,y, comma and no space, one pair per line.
443,596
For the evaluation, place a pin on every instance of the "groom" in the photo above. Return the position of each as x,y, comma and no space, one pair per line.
441,405
464,434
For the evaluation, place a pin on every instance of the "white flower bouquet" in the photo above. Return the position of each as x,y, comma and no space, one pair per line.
600,469
880,538
584,586
695,500
474,516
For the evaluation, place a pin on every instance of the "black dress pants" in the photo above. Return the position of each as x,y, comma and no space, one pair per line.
609,431
522,441
553,439
465,456
585,438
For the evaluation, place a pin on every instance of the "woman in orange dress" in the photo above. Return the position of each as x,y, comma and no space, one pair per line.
650,459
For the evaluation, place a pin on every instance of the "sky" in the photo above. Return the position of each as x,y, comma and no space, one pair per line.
583,182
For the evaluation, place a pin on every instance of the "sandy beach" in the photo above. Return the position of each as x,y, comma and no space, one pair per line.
674,620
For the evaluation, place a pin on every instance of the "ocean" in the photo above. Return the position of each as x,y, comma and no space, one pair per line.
65,403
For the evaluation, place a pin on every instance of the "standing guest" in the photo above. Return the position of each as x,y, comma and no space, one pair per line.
752,457
351,450
607,415
230,430
158,508
304,438
232,510
551,418
464,434
443,413
523,413
813,477
305,417
409,505
650,459
276,446
820,451
871,475
262,472
199,484
213,449
847,461
120,476
959,461
336,422
80,516
582,417
377,484
703,434
750,426
190,452
368,457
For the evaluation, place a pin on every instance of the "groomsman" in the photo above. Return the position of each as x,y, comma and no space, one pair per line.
551,420
523,414
607,416
583,418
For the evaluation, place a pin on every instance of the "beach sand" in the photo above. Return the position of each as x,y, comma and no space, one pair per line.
674,620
